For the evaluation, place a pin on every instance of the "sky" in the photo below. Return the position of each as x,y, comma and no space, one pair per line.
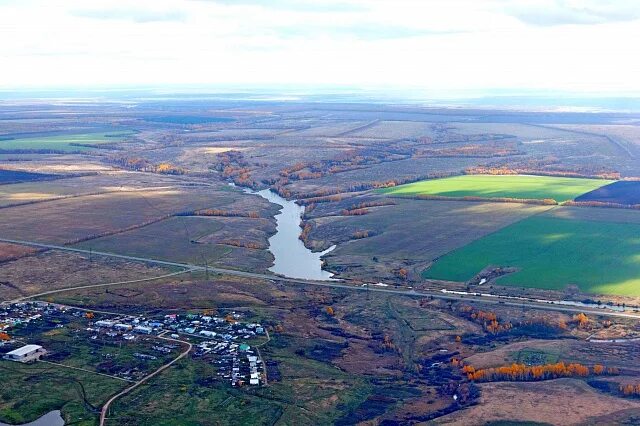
440,46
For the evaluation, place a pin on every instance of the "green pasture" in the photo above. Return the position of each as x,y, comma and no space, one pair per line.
511,186
551,253
63,142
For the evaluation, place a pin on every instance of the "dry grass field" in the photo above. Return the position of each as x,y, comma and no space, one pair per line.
14,251
197,240
410,233
329,129
394,130
105,182
561,401
67,220
73,219
619,355
55,270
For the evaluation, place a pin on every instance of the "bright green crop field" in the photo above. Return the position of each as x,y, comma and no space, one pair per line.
551,253
64,142
511,186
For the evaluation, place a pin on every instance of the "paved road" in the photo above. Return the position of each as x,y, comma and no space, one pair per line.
335,284
105,407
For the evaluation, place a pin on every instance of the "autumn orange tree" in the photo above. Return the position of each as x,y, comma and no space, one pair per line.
581,319
360,234
387,343
402,273
630,389
522,372
489,320
306,230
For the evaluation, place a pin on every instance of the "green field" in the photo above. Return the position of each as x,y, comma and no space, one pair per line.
551,253
535,357
190,394
31,390
64,142
510,186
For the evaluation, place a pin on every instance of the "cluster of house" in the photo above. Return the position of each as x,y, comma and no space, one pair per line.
12,315
225,346
228,328
117,329
238,363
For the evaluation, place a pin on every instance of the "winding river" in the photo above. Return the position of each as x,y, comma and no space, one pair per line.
292,258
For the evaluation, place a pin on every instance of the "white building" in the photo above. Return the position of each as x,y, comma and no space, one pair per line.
123,327
142,329
26,353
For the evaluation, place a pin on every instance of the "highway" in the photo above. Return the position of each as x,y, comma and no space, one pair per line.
491,300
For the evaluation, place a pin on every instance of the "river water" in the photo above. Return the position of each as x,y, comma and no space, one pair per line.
292,258
52,418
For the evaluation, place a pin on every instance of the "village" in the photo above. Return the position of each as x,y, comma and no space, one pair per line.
130,346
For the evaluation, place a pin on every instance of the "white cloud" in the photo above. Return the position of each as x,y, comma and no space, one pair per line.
579,12
438,45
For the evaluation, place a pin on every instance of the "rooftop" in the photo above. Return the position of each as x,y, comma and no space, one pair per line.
24,350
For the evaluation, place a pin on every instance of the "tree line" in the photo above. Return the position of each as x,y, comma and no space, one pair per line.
522,372
363,207
243,244
474,151
328,195
537,171
144,165
542,202
603,204
630,389
221,213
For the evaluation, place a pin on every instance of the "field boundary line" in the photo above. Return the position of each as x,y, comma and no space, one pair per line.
86,371
611,140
